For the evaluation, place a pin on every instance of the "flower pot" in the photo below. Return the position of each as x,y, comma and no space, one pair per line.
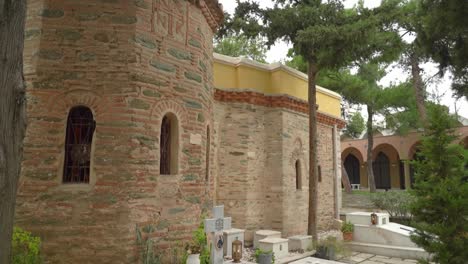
325,252
193,259
348,236
265,258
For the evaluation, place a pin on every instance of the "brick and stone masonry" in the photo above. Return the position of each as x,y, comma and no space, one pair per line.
130,62
259,139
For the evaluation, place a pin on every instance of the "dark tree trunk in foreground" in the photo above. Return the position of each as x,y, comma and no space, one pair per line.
345,179
418,87
370,146
12,114
313,170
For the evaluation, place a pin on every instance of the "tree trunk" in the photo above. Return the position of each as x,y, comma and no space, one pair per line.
370,146
345,179
12,115
313,169
418,87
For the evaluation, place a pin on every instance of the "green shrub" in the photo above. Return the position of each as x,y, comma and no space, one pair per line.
396,203
347,227
259,252
198,245
330,248
146,245
25,247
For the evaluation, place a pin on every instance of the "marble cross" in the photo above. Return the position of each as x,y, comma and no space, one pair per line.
215,227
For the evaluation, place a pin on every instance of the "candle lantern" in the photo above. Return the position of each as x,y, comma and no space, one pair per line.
236,250
373,218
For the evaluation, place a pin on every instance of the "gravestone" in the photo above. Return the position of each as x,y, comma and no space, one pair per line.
215,226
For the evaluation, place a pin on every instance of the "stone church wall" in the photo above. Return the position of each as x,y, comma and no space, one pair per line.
130,62
258,148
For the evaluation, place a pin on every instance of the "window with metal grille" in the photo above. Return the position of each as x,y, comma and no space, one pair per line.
169,145
78,141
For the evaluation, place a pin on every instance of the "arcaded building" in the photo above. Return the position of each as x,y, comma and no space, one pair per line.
134,124
391,155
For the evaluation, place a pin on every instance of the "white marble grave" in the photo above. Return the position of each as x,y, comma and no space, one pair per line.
300,242
261,234
279,246
215,226
230,235
363,218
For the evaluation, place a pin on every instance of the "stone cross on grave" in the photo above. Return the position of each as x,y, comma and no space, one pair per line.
215,227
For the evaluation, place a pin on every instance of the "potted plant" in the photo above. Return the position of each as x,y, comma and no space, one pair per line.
329,248
193,253
197,250
264,257
347,228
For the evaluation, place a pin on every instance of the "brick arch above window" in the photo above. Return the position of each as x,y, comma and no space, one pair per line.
63,102
160,109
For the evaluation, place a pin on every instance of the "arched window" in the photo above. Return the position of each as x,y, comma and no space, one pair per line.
169,145
78,141
298,175
208,143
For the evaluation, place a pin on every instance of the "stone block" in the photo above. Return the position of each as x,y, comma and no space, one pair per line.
230,235
262,234
279,246
299,243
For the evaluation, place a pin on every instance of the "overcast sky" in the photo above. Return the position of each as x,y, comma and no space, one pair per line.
441,88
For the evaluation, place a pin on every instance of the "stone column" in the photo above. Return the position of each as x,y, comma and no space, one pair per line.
407,174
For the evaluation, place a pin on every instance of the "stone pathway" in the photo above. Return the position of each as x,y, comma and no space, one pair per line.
357,257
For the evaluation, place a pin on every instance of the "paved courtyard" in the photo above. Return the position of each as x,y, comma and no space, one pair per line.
357,257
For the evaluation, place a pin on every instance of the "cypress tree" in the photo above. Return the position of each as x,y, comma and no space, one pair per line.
440,210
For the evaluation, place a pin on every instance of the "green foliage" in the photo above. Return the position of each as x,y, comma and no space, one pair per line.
198,245
347,227
146,248
396,203
355,125
296,61
445,42
25,247
259,252
440,211
330,247
237,45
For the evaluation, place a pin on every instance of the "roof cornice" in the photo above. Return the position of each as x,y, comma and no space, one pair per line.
271,67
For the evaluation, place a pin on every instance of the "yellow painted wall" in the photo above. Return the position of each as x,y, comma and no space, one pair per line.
278,81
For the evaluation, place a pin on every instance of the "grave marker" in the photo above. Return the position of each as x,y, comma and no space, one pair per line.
215,226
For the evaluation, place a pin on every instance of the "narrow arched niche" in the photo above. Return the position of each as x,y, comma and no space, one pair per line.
298,175
169,145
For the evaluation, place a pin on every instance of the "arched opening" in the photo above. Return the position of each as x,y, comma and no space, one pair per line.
207,153
352,165
78,141
298,175
381,168
169,145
